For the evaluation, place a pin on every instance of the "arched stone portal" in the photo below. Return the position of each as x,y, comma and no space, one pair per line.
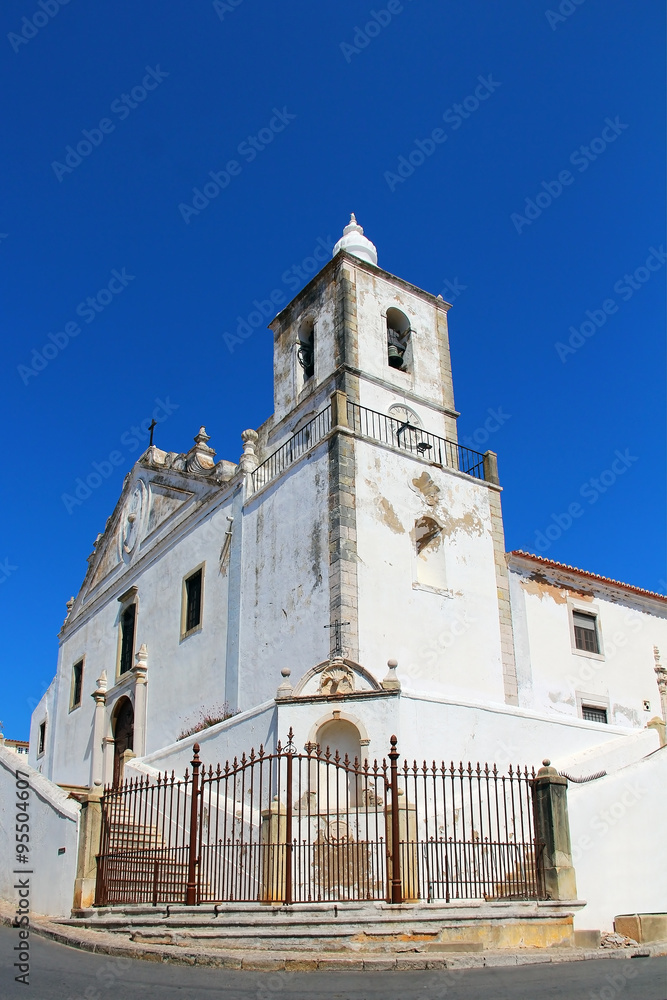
122,725
342,736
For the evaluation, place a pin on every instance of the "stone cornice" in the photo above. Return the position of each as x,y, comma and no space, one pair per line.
342,257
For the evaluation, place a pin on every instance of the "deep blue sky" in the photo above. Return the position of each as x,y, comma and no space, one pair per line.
356,114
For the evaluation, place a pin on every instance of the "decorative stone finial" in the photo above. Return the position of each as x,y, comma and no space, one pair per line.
285,690
141,666
354,242
391,681
546,769
249,460
100,692
200,458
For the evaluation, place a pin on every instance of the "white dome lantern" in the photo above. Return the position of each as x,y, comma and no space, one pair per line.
353,241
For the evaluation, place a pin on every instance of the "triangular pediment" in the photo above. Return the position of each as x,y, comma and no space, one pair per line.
155,500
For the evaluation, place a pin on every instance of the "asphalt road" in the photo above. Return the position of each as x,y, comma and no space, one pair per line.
61,973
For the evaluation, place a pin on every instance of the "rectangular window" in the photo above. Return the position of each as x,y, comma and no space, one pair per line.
77,681
585,632
127,625
193,590
41,742
593,714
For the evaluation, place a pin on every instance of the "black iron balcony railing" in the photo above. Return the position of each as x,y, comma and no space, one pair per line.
294,448
378,427
437,450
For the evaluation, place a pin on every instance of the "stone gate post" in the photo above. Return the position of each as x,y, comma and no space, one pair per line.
90,826
274,851
552,829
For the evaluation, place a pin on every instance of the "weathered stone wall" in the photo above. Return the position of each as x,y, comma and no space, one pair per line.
446,639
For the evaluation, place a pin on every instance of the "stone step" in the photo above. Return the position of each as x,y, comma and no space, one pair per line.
373,927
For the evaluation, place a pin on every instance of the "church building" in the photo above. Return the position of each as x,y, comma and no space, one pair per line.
346,578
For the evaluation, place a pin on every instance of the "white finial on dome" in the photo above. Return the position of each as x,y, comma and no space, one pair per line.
353,241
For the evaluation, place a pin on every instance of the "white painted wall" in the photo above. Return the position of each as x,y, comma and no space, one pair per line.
54,820
219,743
617,825
552,673
184,675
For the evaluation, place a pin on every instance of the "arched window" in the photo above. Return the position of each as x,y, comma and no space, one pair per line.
305,351
399,345
430,554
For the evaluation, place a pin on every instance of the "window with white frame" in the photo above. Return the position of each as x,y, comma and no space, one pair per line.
77,684
192,601
586,636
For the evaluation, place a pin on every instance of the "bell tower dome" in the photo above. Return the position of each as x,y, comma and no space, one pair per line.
354,242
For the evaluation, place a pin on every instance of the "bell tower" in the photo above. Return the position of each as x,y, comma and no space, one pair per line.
414,552
358,328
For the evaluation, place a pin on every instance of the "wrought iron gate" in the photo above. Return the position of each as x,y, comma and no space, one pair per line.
314,827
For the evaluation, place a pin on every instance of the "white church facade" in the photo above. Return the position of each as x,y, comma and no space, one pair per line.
347,579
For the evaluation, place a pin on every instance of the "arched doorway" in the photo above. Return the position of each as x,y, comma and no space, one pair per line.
123,736
339,788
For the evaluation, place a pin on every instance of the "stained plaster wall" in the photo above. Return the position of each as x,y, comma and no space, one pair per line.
54,825
184,675
319,305
446,643
552,673
285,578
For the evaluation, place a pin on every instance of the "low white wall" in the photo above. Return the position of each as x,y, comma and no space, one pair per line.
617,824
611,756
218,743
54,824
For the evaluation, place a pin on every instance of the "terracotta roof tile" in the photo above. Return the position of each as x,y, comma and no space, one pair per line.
590,576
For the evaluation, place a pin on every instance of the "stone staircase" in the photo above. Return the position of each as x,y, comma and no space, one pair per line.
138,864
343,927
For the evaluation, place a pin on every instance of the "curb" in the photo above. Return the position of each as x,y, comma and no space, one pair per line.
102,943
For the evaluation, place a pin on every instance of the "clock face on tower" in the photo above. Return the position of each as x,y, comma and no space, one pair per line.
403,413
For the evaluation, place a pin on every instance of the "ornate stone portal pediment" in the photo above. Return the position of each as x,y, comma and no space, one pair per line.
335,677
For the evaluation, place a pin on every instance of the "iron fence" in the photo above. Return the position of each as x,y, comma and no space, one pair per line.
469,832
297,445
437,450
313,826
144,842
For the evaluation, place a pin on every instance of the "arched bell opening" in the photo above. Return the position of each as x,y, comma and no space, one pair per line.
399,346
